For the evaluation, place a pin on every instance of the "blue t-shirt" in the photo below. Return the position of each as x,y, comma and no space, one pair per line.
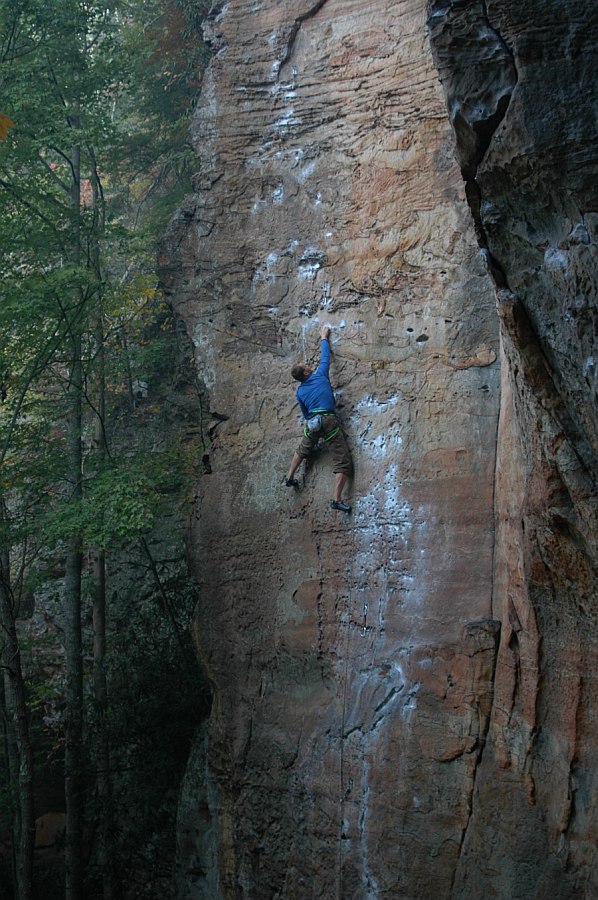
315,393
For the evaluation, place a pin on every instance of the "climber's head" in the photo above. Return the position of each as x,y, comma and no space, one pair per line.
301,371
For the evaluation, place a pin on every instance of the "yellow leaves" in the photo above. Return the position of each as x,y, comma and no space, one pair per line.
5,125
136,304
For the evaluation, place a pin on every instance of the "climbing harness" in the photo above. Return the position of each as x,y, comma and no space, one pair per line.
314,425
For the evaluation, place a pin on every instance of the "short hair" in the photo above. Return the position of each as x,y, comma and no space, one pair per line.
298,372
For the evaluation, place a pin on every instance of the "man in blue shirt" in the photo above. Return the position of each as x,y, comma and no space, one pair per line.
316,399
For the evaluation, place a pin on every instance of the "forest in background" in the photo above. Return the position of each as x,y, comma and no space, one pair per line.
100,439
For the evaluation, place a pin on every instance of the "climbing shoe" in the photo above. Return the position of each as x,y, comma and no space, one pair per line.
338,504
292,482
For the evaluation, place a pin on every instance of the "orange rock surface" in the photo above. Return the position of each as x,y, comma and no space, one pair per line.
403,701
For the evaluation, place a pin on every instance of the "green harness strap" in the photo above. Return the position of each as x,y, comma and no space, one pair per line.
315,438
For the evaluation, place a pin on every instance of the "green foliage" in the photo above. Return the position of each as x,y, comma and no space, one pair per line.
110,89
119,506
118,84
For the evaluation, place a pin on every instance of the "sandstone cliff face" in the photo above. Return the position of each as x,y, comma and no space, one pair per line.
403,700
535,202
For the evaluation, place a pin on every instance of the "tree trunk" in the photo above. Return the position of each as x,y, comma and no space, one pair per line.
73,745
129,374
73,748
19,745
102,747
101,742
10,777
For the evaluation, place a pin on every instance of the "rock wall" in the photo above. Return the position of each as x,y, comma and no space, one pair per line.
534,198
402,698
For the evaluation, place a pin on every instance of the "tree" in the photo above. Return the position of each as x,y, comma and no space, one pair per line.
77,293
5,125
17,733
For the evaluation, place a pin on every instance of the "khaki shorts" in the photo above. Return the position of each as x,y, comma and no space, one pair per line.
341,455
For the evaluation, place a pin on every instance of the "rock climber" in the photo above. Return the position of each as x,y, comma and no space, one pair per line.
316,399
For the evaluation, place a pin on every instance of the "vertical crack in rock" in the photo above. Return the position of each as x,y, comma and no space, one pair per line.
477,71
568,803
483,638
296,26
579,470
